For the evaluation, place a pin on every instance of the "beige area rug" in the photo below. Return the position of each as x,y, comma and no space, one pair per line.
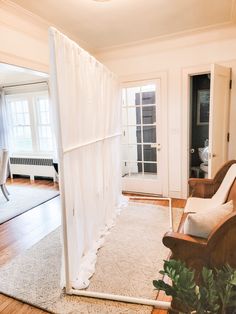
130,259
22,199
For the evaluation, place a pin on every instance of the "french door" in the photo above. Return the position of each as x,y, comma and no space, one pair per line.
141,142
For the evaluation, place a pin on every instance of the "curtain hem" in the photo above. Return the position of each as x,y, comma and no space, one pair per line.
88,262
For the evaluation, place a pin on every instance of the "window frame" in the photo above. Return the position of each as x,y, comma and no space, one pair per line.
34,118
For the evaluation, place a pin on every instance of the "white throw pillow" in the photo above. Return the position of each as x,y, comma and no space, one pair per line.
201,224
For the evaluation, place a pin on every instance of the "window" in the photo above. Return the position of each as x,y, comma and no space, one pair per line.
21,129
29,115
43,124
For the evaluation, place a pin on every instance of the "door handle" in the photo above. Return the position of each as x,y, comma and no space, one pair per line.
157,146
192,150
211,155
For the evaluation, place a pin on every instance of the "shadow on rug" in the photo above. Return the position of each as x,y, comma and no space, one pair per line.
22,199
130,259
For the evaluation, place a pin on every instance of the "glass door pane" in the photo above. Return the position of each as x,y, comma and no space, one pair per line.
139,111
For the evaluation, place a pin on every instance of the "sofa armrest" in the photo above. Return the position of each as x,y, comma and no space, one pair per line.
191,250
173,239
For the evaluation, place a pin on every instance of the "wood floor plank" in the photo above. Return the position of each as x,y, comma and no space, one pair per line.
10,306
4,303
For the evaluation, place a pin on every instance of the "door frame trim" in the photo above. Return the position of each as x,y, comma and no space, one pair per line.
186,101
162,77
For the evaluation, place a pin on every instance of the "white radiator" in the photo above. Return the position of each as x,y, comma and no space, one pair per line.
42,167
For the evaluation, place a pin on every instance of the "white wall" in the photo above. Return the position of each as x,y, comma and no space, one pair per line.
24,39
174,56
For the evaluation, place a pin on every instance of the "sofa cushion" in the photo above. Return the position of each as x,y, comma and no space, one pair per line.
195,204
201,223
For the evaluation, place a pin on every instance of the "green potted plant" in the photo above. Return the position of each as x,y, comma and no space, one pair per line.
214,295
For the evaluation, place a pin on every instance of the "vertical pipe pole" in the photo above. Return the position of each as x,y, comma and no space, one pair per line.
57,124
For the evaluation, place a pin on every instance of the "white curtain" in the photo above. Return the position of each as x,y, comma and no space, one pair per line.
87,106
4,123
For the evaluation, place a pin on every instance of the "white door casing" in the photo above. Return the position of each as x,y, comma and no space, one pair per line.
219,118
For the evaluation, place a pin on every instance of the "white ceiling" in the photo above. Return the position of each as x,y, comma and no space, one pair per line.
119,22
10,74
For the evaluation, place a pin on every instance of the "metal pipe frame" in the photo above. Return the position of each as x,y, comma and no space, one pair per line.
121,298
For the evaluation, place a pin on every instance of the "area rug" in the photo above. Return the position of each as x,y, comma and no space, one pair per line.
130,259
23,198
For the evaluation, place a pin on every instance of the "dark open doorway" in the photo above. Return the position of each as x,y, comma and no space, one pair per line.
199,125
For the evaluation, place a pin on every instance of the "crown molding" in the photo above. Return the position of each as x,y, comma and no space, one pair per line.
20,12
38,26
19,19
157,45
163,38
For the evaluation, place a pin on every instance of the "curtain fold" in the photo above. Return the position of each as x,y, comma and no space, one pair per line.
87,103
4,124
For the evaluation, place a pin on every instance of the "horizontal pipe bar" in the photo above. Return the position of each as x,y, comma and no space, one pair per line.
121,298
70,149
149,198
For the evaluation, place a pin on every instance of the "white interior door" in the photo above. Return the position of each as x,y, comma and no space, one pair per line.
141,145
219,118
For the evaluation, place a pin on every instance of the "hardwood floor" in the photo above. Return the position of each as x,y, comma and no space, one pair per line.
20,233
10,306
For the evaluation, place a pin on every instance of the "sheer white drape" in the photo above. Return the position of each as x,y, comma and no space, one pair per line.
86,95
4,123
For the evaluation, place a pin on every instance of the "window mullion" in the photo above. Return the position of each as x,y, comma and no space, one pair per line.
142,147
33,119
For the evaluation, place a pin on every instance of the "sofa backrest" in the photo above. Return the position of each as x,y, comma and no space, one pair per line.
232,194
222,192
